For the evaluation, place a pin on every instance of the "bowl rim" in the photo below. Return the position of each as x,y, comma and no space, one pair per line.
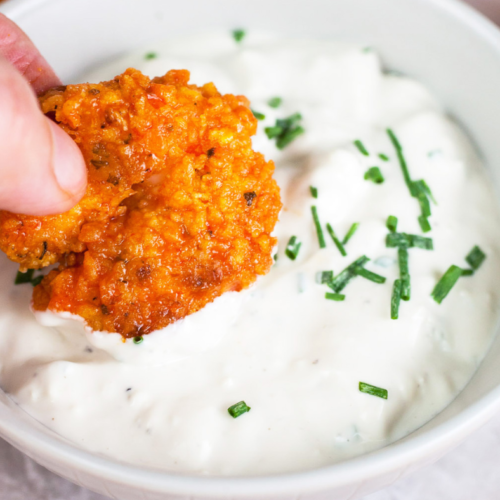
398,456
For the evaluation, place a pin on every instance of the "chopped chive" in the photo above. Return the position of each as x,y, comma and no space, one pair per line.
275,102
396,240
325,277
275,257
361,148
425,206
383,157
314,191
22,278
338,297
424,223
285,130
420,187
375,175
395,299
238,35
475,258
289,137
151,55
340,281
36,281
404,273
401,158
238,409
337,242
258,115
138,340
403,261
376,278
421,242
392,223
321,237
446,283
292,248
350,233
467,272
374,391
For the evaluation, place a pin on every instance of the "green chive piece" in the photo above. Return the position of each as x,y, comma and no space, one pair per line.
383,157
401,157
151,55
337,242
325,277
418,189
425,206
392,223
275,102
22,278
424,223
446,283
238,409
422,187
314,191
397,240
395,299
421,242
404,273
238,35
350,233
285,130
406,288
321,237
289,137
292,248
467,272
138,340
258,115
475,258
338,297
36,281
375,175
376,278
374,391
342,279
361,148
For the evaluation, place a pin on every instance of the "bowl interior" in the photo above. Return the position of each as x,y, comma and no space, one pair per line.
439,42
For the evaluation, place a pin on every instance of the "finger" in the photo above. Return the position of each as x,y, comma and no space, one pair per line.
20,51
42,170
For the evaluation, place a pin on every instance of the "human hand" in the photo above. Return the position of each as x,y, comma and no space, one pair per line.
42,171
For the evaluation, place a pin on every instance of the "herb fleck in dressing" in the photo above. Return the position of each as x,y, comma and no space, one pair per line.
314,347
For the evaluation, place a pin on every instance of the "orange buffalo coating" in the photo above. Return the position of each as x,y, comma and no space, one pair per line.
179,209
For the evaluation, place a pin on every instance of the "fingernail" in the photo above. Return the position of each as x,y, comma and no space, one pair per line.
68,164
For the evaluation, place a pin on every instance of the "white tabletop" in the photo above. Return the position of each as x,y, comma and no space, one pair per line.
470,472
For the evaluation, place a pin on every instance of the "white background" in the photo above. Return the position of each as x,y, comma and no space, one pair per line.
470,472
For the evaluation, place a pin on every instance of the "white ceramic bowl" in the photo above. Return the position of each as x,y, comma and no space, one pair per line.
443,43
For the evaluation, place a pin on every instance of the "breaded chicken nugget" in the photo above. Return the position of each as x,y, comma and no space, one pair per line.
179,209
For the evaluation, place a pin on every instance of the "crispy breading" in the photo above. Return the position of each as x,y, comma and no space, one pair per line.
179,209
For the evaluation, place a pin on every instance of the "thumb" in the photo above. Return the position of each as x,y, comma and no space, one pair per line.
42,171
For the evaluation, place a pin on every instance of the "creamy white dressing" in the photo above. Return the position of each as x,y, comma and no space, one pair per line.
291,355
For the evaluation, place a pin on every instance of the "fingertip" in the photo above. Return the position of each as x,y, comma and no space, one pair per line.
68,164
